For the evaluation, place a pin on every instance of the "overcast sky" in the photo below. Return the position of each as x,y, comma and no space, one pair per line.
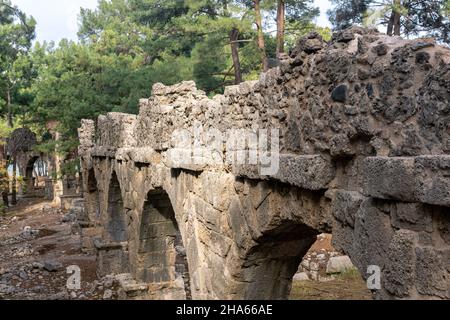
58,19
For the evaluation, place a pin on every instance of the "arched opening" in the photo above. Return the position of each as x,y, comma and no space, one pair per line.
29,179
71,177
36,173
112,249
288,251
327,274
271,265
116,226
92,198
162,261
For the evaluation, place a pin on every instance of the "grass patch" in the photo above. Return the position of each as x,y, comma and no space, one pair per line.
346,286
350,275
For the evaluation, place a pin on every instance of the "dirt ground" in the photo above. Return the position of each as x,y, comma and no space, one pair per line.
36,248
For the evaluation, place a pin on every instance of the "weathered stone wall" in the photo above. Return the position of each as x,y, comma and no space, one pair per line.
365,153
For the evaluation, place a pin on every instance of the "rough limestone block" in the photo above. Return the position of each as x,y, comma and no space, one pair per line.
301,277
112,261
86,134
108,152
433,180
116,130
339,265
206,213
152,245
184,159
139,155
389,178
443,225
412,216
423,179
345,205
160,89
399,268
307,172
220,189
372,235
432,277
343,238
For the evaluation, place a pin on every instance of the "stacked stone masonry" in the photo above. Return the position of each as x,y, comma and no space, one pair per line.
364,128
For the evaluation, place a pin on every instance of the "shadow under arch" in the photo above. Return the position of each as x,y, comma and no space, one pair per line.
161,258
29,169
116,225
92,196
36,170
272,264
112,248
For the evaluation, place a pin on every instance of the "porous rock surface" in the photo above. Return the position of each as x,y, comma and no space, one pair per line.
364,133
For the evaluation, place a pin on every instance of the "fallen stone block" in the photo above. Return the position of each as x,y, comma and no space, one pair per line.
339,265
301,277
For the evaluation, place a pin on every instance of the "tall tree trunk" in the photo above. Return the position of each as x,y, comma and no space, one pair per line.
9,107
397,26
397,16
234,37
14,183
11,124
390,27
261,42
281,21
394,24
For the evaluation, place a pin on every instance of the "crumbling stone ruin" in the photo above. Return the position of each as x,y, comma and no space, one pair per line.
364,139
20,147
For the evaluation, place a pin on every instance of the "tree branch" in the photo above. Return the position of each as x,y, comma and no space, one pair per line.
19,15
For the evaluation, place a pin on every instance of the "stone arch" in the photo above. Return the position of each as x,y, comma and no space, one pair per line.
161,257
283,223
272,264
112,248
32,181
116,225
30,167
42,163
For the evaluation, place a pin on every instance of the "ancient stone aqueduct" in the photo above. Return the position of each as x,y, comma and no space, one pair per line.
365,154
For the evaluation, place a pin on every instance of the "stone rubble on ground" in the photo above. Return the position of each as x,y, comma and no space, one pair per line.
318,263
28,232
30,265
52,266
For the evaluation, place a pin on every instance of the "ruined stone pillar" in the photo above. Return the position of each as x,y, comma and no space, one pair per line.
57,184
